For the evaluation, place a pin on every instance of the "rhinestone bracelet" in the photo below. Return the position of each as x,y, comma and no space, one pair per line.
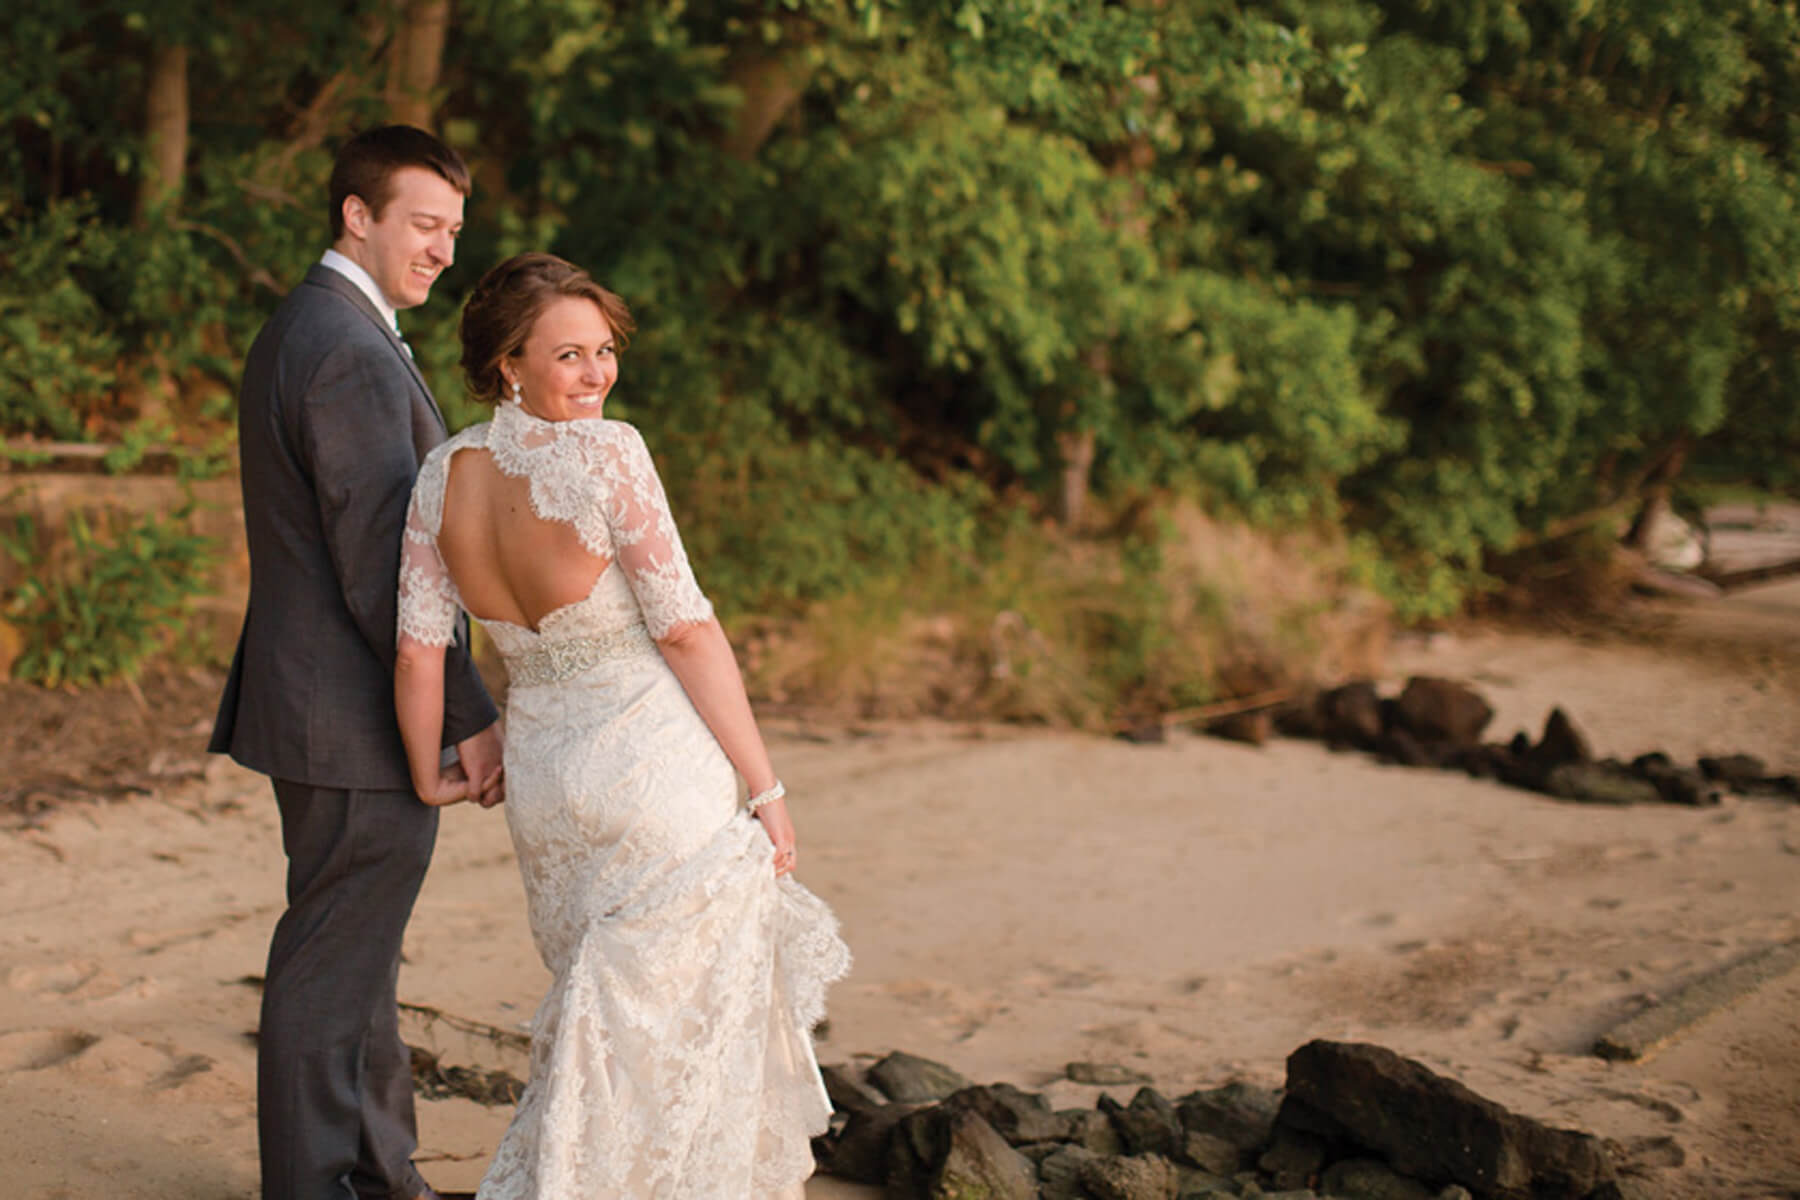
761,798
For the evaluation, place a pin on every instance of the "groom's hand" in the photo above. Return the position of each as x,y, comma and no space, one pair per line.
481,758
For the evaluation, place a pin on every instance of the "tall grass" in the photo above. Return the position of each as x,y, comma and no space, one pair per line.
1038,625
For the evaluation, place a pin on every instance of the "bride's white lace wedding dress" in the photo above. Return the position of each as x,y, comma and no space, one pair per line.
673,1055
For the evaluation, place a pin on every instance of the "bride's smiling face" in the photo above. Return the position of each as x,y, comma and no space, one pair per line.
568,362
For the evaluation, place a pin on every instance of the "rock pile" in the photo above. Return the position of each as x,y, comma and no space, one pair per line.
1355,1122
1439,723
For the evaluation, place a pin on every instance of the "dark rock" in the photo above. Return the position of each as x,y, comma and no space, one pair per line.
848,1093
1366,1179
1141,1177
1400,746
1145,733
1015,1115
1238,1112
1443,710
1148,1125
1059,1173
917,1147
860,1152
1390,715
981,1166
1494,760
1300,718
1676,785
948,1155
1746,773
1561,744
1739,772
1601,783
908,1079
1351,713
1434,1129
1090,1129
1294,1157
1255,728
1194,1184
1210,1153
1104,1074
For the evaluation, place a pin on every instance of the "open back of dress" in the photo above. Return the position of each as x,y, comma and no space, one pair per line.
672,1057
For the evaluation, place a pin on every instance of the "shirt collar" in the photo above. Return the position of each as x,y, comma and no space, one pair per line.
365,283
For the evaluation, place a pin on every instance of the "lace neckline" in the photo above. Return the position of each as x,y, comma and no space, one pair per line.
561,459
514,426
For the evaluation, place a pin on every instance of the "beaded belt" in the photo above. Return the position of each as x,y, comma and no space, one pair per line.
553,662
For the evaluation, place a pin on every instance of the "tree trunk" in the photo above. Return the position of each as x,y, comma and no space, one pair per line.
1656,492
415,61
771,79
165,131
1076,449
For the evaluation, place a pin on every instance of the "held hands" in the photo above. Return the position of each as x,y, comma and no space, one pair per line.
776,823
450,787
480,757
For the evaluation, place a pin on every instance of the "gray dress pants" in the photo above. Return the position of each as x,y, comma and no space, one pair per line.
334,1081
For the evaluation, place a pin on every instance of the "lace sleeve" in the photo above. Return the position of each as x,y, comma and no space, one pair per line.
428,600
644,537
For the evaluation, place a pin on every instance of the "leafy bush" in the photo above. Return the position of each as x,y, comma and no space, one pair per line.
59,352
120,594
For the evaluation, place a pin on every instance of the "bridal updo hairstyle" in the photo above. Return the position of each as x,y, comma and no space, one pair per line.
505,305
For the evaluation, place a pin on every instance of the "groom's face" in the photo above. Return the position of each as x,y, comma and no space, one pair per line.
413,239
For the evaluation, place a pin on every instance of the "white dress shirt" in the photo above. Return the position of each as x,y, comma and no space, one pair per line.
365,283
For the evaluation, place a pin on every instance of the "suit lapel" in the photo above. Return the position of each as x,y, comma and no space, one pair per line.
329,279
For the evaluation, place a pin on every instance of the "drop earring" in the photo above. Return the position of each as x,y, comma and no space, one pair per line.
518,396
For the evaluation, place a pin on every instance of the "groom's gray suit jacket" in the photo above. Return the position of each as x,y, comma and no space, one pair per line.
333,420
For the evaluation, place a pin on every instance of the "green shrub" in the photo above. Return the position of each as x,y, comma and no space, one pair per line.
58,350
118,596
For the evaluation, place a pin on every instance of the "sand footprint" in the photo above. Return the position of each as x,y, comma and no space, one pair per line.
39,1049
960,1012
55,978
1058,976
1668,1110
113,1059
79,984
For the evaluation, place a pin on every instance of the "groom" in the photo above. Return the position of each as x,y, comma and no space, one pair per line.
333,419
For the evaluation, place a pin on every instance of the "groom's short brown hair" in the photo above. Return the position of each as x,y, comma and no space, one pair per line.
366,164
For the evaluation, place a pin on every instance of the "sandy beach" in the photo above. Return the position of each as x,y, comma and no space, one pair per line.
1021,899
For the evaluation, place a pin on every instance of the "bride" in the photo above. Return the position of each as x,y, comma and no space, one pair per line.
672,1056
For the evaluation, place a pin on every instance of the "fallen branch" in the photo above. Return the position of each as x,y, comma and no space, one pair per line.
1637,1039
1730,580
508,1038
1202,713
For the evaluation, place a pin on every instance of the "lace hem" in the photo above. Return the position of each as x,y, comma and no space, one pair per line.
667,1059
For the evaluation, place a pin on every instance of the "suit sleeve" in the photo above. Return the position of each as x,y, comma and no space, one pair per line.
356,438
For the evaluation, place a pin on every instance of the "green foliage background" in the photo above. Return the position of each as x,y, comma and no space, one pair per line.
1437,274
